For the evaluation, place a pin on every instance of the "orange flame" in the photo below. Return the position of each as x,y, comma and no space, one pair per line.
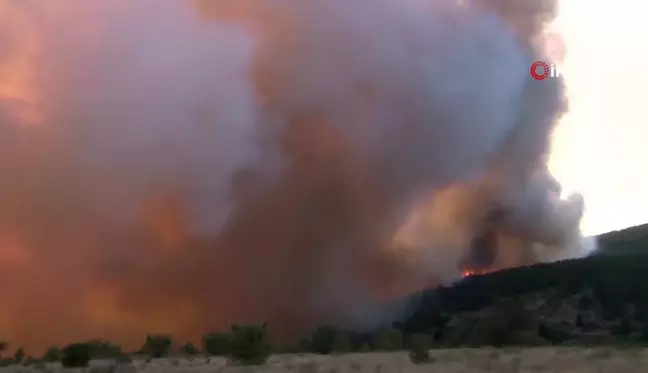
474,272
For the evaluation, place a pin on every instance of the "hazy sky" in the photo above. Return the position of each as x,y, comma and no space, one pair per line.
602,145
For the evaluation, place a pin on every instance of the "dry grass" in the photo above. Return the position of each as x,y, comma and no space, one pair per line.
506,360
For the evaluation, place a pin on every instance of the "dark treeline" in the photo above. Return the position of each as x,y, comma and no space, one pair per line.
246,345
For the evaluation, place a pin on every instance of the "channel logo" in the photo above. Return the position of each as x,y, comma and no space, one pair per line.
541,70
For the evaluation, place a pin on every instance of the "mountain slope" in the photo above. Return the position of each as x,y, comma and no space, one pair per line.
625,241
602,293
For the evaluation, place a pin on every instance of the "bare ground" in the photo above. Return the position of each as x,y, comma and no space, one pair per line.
506,360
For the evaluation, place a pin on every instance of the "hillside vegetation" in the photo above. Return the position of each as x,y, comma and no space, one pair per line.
633,240
598,300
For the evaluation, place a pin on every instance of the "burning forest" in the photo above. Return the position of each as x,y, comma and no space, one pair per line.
176,166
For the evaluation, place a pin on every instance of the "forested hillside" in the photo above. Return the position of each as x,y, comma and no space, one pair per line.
602,297
626,241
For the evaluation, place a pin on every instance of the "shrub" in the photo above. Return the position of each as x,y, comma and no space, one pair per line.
249,345
643,336
381,342
19,355
388,340
158,345
494,331
76,355
364,348
419,348
293,348
53,354
322,340
123,359
552,334
340,343
189,349
5,362
104,349
625,326
216,344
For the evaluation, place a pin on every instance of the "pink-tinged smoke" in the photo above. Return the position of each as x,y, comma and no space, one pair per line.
176,166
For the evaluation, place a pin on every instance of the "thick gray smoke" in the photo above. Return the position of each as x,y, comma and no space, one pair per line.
180,165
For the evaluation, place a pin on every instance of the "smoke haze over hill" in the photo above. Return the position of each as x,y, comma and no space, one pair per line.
176,166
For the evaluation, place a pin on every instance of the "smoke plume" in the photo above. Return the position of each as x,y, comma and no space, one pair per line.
176,166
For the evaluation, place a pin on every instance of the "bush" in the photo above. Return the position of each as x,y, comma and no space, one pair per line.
388,340
104,350
53,354
19,355
494,331
250,345
625,327
419,348
552,334
340,343
216,344
381,342
6,362
158,345
189,349
364,348
304,345
76,355
123,359
322,340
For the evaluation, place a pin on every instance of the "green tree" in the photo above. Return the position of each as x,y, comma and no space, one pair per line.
53,354
507,325
493,331
76,355
19,355
216,344
250,344
158,345
419,345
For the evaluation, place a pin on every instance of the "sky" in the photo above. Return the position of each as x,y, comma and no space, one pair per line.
601,145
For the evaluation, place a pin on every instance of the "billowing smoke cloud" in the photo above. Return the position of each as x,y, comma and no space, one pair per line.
175,166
